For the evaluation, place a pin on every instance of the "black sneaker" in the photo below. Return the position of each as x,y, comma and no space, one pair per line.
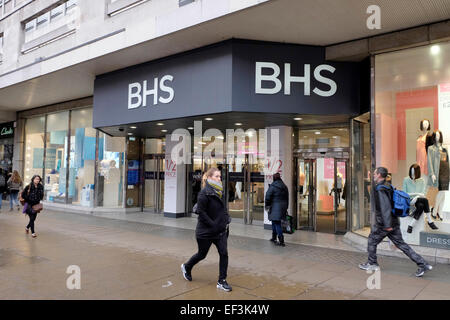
222,284
186,274
409,229
432,225
369,267
421,271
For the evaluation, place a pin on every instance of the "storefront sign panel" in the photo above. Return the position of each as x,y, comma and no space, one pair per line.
238,75
435,240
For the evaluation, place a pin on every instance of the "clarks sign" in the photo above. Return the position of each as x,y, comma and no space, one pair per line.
7,130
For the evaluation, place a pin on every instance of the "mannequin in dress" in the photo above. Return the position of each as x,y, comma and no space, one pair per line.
438,166
416,187
422,144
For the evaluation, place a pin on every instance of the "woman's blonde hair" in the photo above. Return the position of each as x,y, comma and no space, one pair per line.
208,174
16,177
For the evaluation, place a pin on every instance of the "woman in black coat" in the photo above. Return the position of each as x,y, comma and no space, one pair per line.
33,194
212,227
277,202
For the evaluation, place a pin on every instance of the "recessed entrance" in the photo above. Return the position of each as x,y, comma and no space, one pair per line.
322,192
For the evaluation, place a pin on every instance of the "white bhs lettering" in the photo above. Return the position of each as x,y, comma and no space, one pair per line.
288,79
138,93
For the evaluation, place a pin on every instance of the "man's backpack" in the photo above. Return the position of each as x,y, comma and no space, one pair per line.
401,202
2,181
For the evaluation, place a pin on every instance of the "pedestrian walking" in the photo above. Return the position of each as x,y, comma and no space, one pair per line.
277,202
14,185
32,195
212,227
3,186
385,224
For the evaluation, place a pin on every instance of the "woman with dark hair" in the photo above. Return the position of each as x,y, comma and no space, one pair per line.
33,195
416,187
277,202
212,227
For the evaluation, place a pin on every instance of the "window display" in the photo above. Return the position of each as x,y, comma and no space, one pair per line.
82,157
111,156
412,95
34,147
56,159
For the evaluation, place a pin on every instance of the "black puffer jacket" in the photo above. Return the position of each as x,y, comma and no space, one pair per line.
277,198
212,215
35,195
381,205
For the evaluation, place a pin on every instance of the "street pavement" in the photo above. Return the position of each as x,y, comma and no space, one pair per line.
131,260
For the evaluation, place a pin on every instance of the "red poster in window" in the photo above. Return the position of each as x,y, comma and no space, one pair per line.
328,168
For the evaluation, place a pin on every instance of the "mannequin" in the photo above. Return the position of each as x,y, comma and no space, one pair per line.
422,144
415,186
338,188
438,164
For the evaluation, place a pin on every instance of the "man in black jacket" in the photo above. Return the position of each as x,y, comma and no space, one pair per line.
387,225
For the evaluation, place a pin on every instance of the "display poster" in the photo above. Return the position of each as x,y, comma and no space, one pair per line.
133,172
329,168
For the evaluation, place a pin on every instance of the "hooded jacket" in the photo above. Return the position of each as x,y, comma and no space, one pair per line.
277,198
381,205
212,214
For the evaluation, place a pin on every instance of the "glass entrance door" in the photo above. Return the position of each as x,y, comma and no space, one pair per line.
340,195
305,187
154,183
322,193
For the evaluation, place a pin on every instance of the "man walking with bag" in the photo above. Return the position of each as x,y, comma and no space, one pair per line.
385,224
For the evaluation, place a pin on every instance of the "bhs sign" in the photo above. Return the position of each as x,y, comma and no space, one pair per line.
289,79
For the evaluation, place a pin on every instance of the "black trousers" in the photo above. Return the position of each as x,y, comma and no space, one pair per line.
378,234
422,206
32,215
203,248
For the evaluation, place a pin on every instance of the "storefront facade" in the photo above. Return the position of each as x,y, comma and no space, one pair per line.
233,104
283,98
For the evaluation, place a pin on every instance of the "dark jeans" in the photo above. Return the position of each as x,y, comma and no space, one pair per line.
377,235
32,215
421,205
203,248
276,228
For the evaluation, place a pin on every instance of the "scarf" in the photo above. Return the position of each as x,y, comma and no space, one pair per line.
217,187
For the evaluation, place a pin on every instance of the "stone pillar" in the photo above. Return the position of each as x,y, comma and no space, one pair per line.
278,158
19,140
174,181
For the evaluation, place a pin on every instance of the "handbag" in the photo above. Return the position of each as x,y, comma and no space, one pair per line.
37,207
21,199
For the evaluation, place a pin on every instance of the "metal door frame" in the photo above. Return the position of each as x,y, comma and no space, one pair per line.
336,206
160,158
312,165
338,155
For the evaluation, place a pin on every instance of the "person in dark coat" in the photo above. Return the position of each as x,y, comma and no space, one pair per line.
212,227
3,186
33,194
277,202
385,224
